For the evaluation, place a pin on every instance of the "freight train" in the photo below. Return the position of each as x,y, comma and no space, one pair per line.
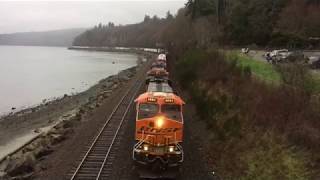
158,151
158,72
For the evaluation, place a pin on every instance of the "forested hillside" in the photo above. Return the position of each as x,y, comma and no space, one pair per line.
144,34
268,23
62,37
291,23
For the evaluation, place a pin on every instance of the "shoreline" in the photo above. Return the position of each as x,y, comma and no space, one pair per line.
15,124
19,111
115,49
24,128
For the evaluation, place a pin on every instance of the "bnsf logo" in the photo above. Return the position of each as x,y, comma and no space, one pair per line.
154,130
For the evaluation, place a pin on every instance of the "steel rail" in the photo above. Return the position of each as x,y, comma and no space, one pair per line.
119,127
134,88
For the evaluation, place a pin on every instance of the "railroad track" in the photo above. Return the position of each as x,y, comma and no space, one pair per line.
97,161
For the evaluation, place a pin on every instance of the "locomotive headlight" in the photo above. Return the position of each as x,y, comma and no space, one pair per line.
171,148
159,122
145,147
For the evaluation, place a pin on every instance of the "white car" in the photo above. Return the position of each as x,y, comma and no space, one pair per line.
279,55
281,52
313,58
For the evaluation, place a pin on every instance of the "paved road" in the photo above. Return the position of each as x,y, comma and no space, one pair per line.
258,54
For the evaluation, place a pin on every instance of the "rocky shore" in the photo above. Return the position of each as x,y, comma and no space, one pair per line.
50,124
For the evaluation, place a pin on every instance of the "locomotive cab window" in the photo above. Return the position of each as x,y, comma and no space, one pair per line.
147,110
172,111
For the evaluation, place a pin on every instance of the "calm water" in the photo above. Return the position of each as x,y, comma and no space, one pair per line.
30,74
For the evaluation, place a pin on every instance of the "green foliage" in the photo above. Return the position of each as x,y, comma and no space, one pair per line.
285,23
295,75
269,158
198,8
299,76
262,70
287,40
315,82
190,64
252,22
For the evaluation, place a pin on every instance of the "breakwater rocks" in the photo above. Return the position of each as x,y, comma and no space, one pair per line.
22,164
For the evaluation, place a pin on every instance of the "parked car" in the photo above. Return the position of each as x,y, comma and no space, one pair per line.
313,58
315,62
280,52
285,56
277,56
296,56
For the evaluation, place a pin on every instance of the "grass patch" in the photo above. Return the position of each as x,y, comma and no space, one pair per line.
268,72
316,81
262,70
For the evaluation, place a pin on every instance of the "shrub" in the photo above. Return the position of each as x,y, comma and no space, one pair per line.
297,76
238,108
270,158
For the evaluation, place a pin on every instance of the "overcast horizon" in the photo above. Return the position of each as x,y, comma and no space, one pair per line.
37,16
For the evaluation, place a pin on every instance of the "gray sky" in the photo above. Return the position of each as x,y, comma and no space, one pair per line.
24,16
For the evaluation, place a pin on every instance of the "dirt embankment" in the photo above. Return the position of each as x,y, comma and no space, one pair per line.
51,124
